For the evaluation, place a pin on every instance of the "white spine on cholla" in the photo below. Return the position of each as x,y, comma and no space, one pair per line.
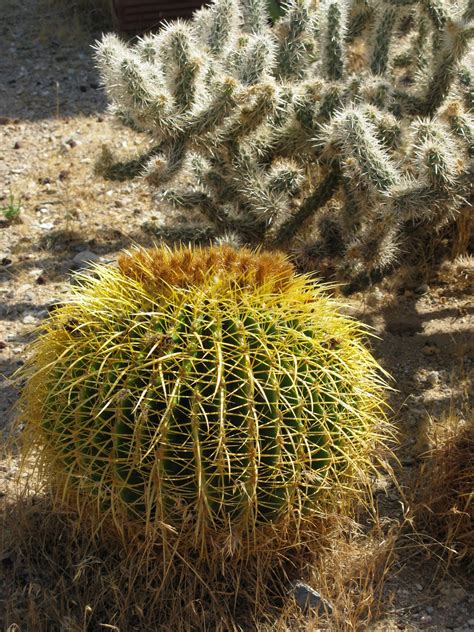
334,128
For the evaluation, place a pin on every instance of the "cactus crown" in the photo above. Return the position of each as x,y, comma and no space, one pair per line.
161,267
337,115
197,390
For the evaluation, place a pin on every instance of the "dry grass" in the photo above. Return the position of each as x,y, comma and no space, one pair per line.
60,578
444,499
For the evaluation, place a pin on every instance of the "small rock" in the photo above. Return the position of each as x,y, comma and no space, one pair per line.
83,258
34,272
29,319
3,345
308,598
429,609
408,294
422,289
83,88
12,472
70,142
17,145
46,225
53,304
418,586
432,378
375,297
5,261
4,120
118,204
470,623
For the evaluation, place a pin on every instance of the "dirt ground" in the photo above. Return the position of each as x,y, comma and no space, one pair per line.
53,121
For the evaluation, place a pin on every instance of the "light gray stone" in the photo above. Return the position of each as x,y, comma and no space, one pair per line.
309,599
83,259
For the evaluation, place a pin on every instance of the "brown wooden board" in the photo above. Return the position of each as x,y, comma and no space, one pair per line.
137,16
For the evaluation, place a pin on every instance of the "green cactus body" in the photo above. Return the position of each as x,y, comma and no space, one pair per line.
203,389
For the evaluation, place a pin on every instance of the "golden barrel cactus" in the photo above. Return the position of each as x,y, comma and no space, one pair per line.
207,392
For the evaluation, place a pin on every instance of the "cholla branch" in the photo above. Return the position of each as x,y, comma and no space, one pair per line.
339,126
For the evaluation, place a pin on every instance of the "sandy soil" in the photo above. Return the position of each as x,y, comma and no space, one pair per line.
53,121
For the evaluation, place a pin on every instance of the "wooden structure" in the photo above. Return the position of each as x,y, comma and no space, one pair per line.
139,16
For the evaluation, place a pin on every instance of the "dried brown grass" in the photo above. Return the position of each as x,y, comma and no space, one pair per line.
444,497
58,577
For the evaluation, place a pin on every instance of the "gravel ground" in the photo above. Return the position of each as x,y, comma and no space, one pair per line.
53,121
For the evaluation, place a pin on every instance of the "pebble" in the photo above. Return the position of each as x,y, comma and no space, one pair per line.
433,378
470,623
375,297
83,258
52,304
29,319
308,598
35,272
422,289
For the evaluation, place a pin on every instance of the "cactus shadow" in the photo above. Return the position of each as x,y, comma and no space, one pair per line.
9,388
48,70
57,249
429,356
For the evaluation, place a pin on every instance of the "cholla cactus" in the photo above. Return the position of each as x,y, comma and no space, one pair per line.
263,129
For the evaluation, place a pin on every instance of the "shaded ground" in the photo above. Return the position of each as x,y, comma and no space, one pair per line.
52,125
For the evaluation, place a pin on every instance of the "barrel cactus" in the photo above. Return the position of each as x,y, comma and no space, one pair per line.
205,392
